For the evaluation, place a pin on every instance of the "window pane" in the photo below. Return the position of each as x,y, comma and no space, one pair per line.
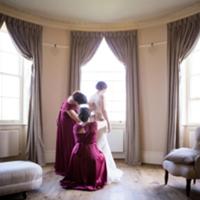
7,43
88,87
117,87
27,81
10,86
194,63
194,112
10,109
89,76
1,84
116,116
115,106
0,109
104,66
9,63
194,87
197,47
108,76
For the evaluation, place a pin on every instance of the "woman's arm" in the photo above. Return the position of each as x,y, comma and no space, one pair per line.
73,115
104,113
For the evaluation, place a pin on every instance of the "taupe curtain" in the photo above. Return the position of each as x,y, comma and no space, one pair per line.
182,36
1,20
28,39
124,46
83,47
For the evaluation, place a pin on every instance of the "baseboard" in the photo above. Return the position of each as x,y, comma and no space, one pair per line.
149,157
119,155
50,156
153,157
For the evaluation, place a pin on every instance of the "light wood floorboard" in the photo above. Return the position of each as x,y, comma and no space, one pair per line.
145,182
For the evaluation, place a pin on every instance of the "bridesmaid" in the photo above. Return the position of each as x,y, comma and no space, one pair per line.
87,167
65,139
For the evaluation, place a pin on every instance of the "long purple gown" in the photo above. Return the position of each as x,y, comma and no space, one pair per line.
87,167
65,138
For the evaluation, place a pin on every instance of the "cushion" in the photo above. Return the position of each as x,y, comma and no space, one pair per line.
176,169
183,155
19,176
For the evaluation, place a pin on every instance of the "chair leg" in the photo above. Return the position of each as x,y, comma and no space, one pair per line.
166,176
194,181
188,187
24,195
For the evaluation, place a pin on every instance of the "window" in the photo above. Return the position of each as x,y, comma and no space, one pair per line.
14,81
189,90
104,66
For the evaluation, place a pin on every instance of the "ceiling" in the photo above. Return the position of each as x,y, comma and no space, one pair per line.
100,11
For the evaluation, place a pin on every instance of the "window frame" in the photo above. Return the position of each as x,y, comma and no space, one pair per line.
187,85
20,76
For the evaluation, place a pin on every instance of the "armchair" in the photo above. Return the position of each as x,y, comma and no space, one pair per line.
184,162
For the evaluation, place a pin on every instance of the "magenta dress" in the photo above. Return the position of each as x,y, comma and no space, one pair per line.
87,168
65,138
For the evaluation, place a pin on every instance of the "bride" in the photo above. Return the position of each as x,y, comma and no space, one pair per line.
97,107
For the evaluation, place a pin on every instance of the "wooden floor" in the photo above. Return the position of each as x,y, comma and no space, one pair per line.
138,183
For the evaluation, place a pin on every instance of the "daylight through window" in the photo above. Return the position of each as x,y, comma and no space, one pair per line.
104,66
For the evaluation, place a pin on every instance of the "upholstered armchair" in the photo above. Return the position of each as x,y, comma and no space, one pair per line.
184,162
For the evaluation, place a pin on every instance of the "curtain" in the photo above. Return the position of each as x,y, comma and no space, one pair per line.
182,35
28,40
83,47
124,46
1,20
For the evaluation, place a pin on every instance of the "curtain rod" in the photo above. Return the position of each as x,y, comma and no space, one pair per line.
56,45
152,44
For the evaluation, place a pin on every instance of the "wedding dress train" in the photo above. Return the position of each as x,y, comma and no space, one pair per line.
113,173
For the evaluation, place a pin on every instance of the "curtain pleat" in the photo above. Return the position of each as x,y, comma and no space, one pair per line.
83,47
1,19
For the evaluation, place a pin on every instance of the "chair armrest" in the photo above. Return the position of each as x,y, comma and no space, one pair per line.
197,165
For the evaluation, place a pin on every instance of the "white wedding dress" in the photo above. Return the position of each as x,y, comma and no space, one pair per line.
113,173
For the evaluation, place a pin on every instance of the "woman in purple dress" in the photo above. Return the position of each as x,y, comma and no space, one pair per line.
65,139
87,167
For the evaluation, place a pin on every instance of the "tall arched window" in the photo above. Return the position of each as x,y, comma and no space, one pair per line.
190,95
104,66
14,82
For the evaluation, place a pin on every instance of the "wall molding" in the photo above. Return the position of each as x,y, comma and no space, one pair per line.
153,157
87,26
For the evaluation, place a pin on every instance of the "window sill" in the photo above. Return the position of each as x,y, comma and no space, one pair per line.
191,125
12,124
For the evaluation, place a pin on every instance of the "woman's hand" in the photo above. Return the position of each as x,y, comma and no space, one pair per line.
73,115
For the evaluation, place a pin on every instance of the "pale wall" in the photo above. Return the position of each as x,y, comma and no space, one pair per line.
153,92
54,83
153,89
